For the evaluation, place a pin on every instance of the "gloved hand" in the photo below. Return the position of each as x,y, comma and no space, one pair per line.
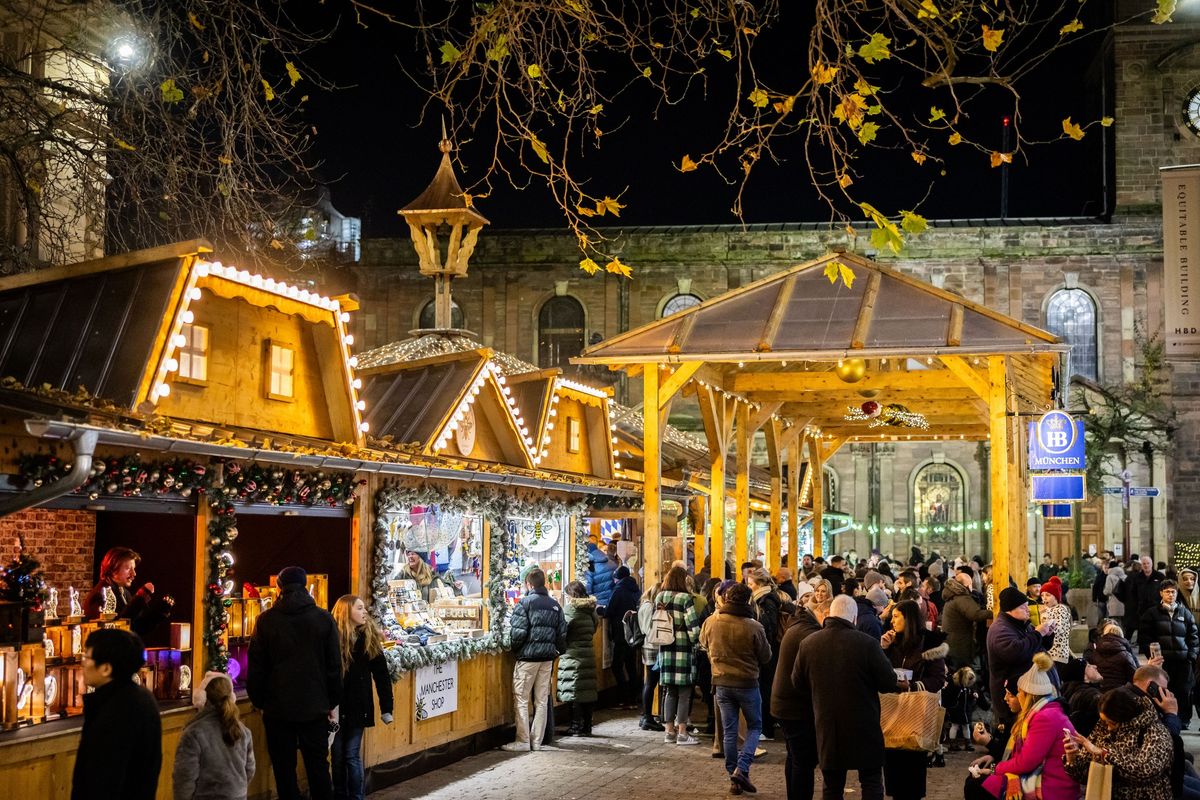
387,718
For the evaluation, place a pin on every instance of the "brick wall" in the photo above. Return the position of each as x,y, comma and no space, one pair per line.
64,541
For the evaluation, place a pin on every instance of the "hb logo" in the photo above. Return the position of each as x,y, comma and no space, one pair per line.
1056,440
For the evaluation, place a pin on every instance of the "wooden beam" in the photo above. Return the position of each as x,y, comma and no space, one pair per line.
793,506
774,430
816,461
777,381
741,529
676,380
763,415
998,471
767,340
199,588
679,340
954,330
973,379
718,423
700,535
652,481
866,312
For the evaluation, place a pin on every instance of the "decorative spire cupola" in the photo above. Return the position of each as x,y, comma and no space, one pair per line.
443,211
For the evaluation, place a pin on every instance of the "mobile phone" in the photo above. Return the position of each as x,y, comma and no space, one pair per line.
1154,691
1155,649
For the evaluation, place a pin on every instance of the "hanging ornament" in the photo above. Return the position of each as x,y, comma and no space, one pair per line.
871,408
851,370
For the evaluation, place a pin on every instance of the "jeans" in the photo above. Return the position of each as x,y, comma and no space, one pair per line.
311,738
346,755
531,682
869,780
800,769
748,702
677,704
648,688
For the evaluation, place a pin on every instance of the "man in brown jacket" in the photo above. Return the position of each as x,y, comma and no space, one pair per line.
737,646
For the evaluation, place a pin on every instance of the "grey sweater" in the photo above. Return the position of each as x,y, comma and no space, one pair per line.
208,769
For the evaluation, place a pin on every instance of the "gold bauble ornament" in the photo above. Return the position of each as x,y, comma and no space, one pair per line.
851,370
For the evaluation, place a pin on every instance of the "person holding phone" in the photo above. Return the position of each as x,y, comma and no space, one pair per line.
1131,738
1171,627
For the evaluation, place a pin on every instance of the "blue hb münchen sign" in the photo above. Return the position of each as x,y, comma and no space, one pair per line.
1056,442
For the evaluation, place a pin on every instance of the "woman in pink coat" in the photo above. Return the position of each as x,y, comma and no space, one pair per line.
1032,765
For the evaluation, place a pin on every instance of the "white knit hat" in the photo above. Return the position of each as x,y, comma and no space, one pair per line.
1037,680
803,590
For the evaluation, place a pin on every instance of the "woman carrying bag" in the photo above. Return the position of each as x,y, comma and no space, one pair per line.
677,659
1131,739
910,646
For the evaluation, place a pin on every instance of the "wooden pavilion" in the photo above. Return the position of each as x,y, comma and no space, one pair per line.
797,355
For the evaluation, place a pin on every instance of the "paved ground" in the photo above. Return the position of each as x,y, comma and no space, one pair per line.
621,762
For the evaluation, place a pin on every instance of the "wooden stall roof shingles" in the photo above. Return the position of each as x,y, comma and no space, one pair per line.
408,402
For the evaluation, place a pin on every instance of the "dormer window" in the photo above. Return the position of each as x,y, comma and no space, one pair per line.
281,371
193,356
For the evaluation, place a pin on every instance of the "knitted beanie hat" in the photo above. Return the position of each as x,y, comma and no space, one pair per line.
292,575
1053,587
1037,680
1011,598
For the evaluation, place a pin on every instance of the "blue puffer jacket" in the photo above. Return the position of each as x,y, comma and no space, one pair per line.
598,579
539,629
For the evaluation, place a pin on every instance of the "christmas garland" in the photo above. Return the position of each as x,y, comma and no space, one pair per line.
499,509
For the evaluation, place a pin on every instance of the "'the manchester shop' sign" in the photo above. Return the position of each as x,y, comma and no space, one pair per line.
1181,258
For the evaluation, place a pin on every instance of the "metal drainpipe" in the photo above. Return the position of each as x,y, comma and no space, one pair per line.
84,445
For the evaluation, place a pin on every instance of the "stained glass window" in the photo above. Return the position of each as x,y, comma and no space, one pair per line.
1071,316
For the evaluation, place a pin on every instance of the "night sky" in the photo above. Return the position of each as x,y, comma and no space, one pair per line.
377,155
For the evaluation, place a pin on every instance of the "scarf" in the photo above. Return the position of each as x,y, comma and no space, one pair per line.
1029,785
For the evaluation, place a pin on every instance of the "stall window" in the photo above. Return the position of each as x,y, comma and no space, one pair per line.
281,373
1071,316
560,331
573,435
539,543
193,356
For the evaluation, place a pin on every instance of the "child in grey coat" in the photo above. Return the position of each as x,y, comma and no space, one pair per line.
215,757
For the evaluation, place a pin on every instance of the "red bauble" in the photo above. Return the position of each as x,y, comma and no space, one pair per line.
871,408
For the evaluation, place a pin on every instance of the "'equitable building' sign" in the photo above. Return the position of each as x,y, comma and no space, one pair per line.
1181,258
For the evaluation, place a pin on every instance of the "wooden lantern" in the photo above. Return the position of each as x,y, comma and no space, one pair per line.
181,635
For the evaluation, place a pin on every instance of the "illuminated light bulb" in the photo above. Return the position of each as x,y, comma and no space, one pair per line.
356,383
194,293
554,399
361,405
453,424
614,440
554,412
612,427
218,267
270,285
741,364
529,441
616,465
293,292
364,426
352,361
163,390
344,316
510,401
545,453
305,295
524,431
171,365
499,379
179,340
188,317
929,360
545,440
244,276
201,269
348,339
549,426
256,281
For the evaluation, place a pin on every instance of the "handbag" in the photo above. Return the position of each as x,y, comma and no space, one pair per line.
662,628
911,720
633,634
1099,781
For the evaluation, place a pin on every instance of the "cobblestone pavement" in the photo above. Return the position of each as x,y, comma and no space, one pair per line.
621,762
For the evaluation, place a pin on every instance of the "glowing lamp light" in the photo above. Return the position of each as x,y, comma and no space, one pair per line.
344,317
361,405
162,390
353,361
171,365
364,426
195,293
188,317
348,339
356,383
180,340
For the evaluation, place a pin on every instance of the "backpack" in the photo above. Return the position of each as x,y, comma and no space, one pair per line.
1119,590
633,634
662,628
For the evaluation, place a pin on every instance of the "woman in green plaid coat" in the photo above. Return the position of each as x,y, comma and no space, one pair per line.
677,662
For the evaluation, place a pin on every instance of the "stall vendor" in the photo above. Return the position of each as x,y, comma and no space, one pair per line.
143,609
417,569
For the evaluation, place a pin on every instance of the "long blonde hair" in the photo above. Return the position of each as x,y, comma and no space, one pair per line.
1044,663
218,694
348,632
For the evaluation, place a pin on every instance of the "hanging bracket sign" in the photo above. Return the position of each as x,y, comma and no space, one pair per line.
1056,442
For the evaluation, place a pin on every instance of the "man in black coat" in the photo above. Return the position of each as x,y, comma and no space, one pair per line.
1169,623
845,670
792,705
1011,644
626,665
120,747
539,636
294,675
1141,588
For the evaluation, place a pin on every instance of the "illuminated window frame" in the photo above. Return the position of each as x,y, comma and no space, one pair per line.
193,356
280,370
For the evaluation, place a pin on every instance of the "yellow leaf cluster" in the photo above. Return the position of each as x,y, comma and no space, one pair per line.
845,180
866,134
886,234
936,113
955,138
865,89
617,268
1000,158
268,92
687,165
539,148
610,206
836,269
992,39
1163,11
851,110
533,71
589,266
758,98
1072,129
292,73
1071,27
918,156
912,222
927,10
785,105
725,53
823,73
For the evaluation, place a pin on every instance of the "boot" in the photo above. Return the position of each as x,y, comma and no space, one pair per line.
651,724
586,727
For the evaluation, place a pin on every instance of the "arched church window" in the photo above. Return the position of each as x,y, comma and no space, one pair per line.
560,331
680,302
426,320
1071,316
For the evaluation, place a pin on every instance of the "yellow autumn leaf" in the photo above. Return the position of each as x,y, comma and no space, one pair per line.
192,18
224,160
865,89
918,157
1106,122
1071,27
785,105
727,55
846,274
992,39
276,244
646,72
851,110
936,113
617,268
758,98
1000,158
866,134
611,206
533,71
539,148
912,222
876,49
1072,129
927,10
1163,11
596,109
292,73
831,271
955,138
124,145
268,92
823,73
845,180
589,266
585,211
687,165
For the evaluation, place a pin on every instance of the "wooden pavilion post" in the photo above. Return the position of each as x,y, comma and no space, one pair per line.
774,429
717,414
793,505
742,485
700,534
652,479
998,469
816,466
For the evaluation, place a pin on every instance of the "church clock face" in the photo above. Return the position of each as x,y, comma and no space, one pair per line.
464,434
1191,110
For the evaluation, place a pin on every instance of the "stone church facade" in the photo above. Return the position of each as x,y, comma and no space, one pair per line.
1098,282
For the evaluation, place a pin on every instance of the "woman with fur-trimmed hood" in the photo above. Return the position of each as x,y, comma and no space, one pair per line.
909,645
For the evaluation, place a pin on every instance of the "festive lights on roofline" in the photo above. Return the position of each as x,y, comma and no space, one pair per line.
214,269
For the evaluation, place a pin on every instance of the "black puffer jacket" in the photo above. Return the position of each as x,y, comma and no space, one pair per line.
1116,660
295,666
767,607
358,707
1175,630
539,629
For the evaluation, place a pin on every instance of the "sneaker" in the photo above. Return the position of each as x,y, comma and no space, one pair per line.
760,752
764,738
686,740
743,781
670,738
516,747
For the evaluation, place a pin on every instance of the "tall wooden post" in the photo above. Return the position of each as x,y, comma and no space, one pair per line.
652,480
774,548
816,464
200,588
793,506
998,469
700,535
742,485
716,514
